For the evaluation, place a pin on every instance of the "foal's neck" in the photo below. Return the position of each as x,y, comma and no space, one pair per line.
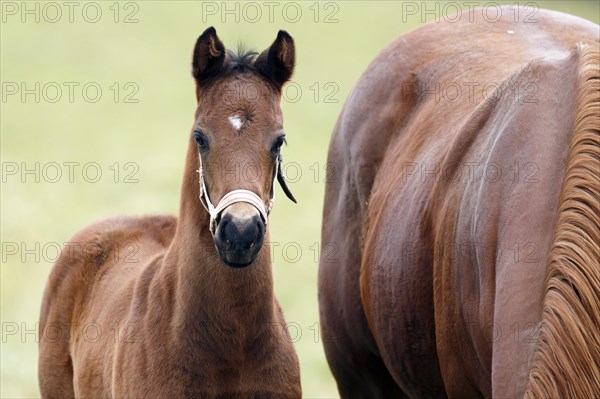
207,290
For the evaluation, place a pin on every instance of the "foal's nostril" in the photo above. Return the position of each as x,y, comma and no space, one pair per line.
222,228
260,227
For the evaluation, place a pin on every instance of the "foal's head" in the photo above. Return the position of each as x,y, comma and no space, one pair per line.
238,130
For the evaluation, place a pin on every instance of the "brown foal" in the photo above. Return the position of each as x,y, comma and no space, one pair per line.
192,312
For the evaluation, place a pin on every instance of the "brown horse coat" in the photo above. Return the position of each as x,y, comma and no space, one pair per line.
450,154
145,307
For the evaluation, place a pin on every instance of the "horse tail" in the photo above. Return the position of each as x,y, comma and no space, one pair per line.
566,362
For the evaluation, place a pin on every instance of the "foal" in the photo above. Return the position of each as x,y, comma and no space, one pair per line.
195,313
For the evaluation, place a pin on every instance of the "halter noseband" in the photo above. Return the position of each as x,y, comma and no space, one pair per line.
241,195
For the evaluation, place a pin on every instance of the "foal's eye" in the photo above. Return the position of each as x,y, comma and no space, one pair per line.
201,139
278,143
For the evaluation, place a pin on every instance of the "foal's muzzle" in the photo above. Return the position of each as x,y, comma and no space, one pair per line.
239,238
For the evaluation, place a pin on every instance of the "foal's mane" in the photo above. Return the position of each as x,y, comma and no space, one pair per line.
240,60
566,363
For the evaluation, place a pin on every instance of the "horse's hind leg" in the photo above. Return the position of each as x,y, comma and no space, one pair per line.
362,375
349,346
55,366
55,373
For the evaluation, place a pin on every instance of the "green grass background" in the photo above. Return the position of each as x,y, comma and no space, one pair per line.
155,53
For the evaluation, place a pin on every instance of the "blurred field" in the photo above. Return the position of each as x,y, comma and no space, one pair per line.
136,135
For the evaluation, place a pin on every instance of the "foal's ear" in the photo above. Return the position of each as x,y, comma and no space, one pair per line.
277,62
209,56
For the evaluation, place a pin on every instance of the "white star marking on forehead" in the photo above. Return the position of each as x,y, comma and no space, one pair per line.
236,122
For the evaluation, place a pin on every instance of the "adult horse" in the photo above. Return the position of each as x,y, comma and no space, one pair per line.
463,210
193,311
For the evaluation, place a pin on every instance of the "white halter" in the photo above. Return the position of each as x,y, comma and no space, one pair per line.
235,196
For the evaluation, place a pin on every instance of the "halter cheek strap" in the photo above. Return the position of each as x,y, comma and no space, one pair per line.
235,196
